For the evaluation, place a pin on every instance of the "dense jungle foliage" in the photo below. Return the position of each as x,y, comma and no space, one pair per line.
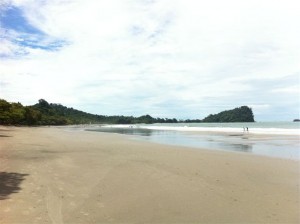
44,113
240,114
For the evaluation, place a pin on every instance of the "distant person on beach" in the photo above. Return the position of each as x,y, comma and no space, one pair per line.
247,129
244,129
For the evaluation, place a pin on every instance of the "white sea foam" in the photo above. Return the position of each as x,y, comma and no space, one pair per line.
185,128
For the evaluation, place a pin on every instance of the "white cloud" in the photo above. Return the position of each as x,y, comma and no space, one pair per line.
182,58
292,89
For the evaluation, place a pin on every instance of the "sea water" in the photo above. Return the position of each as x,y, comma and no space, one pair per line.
275,139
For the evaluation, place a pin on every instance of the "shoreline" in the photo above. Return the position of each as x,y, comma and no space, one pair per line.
212,129
274,146
64,176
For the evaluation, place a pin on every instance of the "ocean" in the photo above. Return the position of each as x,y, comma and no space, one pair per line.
273,139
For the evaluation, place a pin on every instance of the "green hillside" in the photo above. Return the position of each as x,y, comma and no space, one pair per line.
44,113
240,114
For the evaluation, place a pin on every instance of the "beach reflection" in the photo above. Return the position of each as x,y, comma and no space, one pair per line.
178,138
126,131
240,147
273,147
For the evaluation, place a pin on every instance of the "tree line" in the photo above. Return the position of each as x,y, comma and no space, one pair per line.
44,113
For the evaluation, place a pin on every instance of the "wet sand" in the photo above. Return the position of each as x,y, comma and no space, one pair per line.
50,175
279,146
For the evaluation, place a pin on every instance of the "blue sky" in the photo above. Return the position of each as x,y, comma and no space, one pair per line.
167,58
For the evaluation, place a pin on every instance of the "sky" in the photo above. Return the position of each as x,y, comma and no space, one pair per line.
168,58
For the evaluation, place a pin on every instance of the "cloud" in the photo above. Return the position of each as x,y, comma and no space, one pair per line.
19,36
181,59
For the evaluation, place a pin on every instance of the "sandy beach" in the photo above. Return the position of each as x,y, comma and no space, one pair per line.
52,175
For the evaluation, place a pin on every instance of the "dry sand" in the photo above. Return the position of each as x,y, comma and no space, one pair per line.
50,175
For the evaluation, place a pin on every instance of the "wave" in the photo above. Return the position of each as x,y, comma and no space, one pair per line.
266,131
